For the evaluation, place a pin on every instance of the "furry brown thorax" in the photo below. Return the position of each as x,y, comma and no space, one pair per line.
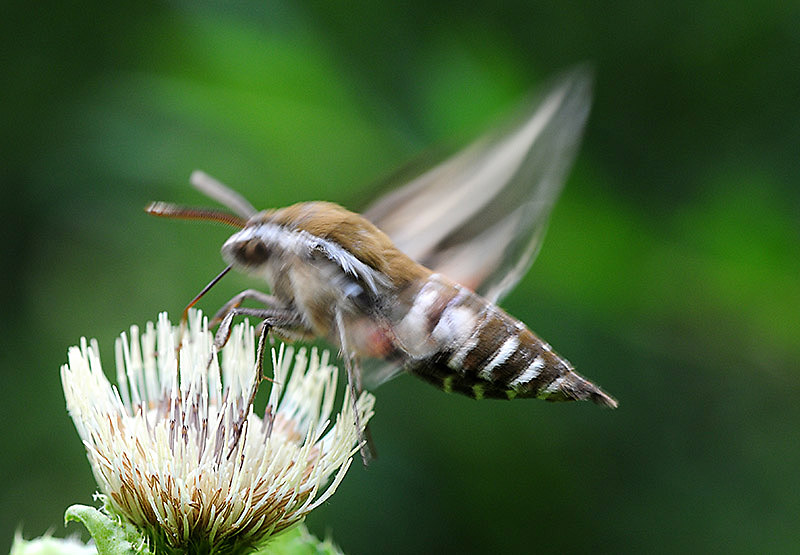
350,230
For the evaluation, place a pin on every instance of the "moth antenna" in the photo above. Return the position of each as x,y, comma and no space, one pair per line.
223,194
170,210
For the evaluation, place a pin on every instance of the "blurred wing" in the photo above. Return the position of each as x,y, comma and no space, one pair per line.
479,217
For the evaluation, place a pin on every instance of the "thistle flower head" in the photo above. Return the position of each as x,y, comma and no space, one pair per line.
177,449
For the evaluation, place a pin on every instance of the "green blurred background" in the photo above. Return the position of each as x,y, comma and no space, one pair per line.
670,274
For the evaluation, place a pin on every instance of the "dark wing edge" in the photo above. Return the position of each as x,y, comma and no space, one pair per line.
480,216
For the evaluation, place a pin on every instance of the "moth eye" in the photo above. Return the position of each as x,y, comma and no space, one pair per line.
252,252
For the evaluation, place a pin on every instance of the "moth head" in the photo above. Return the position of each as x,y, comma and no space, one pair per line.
244,250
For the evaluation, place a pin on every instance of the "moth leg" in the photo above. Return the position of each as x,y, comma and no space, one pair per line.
248,294
271,318
244,410
353,370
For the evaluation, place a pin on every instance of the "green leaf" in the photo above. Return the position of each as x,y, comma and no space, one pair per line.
111,535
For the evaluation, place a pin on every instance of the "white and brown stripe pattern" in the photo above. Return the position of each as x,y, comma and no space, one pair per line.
474,348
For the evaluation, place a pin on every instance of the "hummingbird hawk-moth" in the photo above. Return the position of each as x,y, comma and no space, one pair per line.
413,283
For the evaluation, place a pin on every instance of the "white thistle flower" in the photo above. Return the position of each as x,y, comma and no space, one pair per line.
182,455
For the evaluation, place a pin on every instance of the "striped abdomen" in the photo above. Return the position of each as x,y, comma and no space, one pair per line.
460,342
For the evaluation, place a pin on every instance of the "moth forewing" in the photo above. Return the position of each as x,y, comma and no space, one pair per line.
479,217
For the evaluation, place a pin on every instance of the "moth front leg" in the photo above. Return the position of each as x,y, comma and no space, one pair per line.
244,410
260,297
270,318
